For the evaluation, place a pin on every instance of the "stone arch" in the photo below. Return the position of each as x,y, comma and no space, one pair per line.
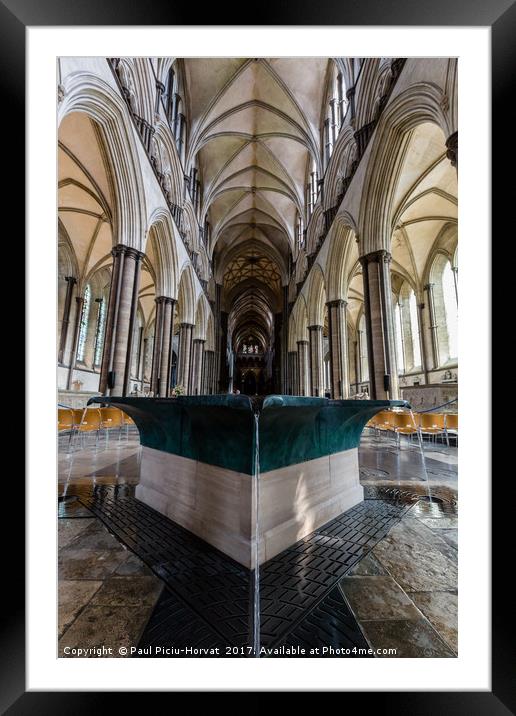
210,332
300,314
201,318
341,166
419,104
315,228
171,166
91,95
316,297
186,295
161,235
342,243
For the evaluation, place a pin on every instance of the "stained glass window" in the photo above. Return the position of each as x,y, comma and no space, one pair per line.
99,335
83,330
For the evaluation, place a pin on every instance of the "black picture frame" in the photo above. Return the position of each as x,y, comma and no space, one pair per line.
15,16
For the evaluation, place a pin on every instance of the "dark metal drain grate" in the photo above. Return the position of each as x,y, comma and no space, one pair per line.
212,593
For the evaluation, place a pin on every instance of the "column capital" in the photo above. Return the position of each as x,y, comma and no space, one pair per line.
375,257
122,249
199,340
452,149
185,324
336,303
350,92
428,286
165,300
303,343
315,327
71,280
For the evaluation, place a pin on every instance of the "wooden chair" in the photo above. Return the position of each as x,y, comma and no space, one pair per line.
432,424
87,421
404,424
112,418
451,424
65,422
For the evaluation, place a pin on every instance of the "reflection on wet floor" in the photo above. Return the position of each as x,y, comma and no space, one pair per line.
136,581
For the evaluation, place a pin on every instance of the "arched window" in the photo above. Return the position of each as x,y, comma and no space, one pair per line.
312,189
414,330
450,309
83,330
406,326
335,112
443,305
398,327
100,330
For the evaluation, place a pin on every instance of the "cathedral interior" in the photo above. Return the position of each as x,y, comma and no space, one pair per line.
257,227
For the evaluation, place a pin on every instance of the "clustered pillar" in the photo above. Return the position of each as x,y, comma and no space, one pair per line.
292,373
197,366
383,375
162,351
338,340
70,284
184,359
120,320
303,363
208,372
316,361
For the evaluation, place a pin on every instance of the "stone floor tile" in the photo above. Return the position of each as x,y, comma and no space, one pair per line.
377,598
412,638
98,626
89,563
369,565
73,595
441,610
69,529
128,591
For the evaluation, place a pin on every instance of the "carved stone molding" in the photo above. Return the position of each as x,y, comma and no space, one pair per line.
452,147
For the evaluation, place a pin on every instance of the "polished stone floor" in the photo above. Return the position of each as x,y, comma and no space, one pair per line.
382,576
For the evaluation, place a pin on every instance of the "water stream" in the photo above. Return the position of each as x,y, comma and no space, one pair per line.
256,540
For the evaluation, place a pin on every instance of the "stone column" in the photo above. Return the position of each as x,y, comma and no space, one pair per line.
184,358
70,284
278,354
210,372
422,340
79,300
316,361
338,340
197,365
120,319
165,367
303,362
455,270
157,346
284,343
292,372
383,374
429,288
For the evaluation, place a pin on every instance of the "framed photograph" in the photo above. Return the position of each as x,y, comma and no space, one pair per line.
243,298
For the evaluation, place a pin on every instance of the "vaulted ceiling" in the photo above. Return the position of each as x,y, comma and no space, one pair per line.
254,129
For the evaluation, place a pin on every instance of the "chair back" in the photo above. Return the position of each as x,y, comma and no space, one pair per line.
432,421
404,421
64,418
452,421
92,419
111,417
